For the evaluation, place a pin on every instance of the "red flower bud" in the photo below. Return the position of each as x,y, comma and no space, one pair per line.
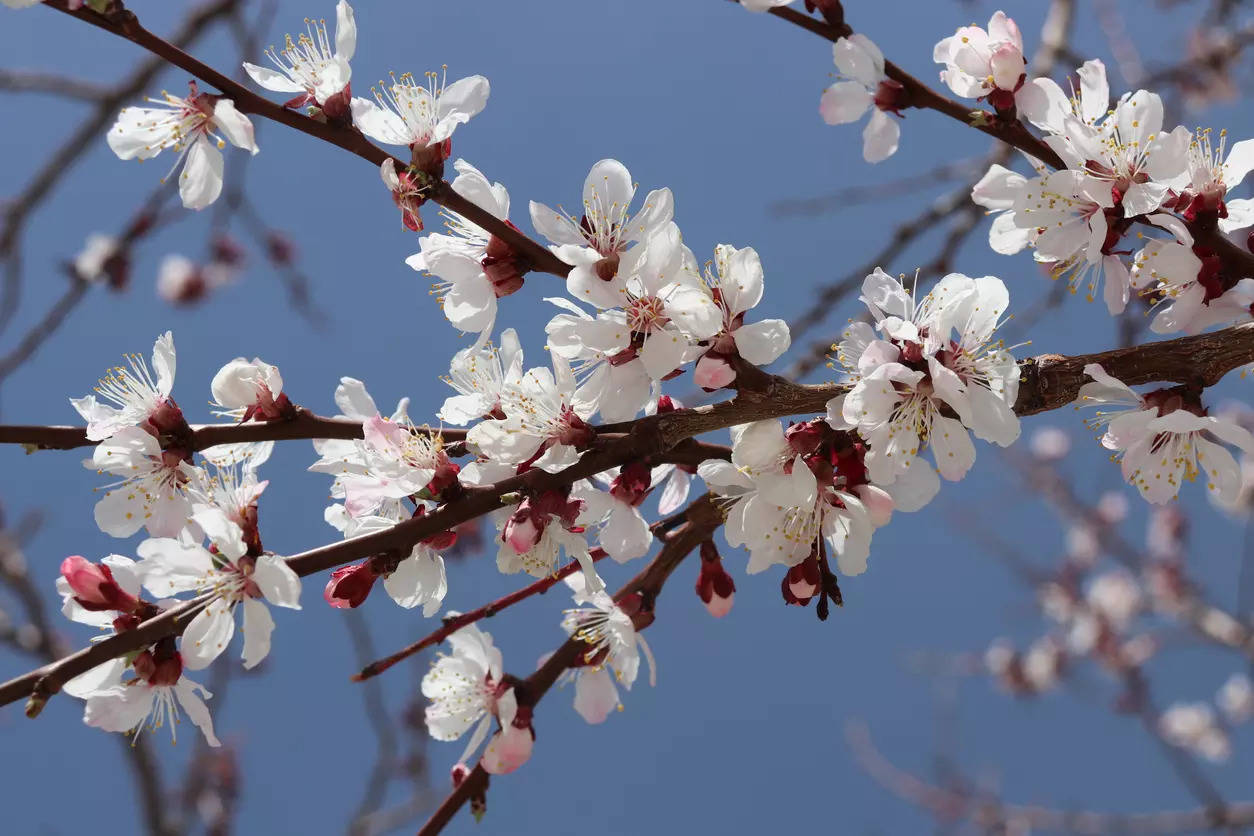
349,585
715,587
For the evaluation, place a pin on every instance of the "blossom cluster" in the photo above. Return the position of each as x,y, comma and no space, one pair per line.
919,374
203,539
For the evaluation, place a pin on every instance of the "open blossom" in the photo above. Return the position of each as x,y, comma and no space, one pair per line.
981,63
615,512
150,699
736,283
1236,699
544,422
416,579
312,67
153,490
1164,437
537,529
232,576
595,242
345,459
1193,288
408,193
399,460
474,266
250,389
191,127
930,354
465,688
422,116
479,374
1077,225
613,652
1043,102
865,86
135,397
1210,177
786,492
1127,152
654,312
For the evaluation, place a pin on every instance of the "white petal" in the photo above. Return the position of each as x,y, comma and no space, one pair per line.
207,635
762,342
277,581
200,182
258,625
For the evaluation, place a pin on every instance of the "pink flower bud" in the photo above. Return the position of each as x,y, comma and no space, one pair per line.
715,587
94,587
713,372
350,585
523,530
631,485
460,772
801,582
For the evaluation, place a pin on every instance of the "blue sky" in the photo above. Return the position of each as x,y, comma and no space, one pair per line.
745,728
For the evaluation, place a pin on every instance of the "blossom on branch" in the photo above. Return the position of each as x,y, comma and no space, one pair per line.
191,127
138,397
1164,438
250,390
865,86
422,116
150,699
930,357
474,266
465,688
232,576
312,67
613,652
736,283
480,374
981,63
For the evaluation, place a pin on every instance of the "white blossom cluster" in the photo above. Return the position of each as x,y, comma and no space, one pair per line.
920,374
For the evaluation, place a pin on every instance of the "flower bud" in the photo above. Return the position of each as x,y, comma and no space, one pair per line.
94,587
801,582
632,483
715,587
713,371
349,585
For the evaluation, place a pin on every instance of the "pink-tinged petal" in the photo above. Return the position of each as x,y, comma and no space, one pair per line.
595,694
880,137
844,102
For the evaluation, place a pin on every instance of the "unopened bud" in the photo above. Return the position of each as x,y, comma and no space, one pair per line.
715,587
713,371
94,587
350,585
801,582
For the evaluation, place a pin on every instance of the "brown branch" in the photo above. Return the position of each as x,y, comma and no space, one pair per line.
1050,381
124,24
